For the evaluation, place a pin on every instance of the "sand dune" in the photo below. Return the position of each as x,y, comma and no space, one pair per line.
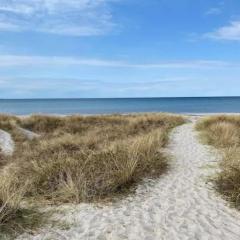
6,143
179,205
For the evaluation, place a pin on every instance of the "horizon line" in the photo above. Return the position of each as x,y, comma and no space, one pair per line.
90,98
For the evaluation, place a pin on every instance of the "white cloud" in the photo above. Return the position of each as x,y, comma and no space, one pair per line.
66,17
4,26
48,61
229,32
33,84
12,60
214,11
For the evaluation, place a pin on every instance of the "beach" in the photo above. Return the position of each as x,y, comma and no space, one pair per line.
119,120
180,204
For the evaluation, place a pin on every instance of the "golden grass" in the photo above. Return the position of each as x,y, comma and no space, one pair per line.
13,217
223,132
8,122
82,158
10,197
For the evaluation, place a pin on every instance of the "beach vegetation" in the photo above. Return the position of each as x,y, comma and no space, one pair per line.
223,132
80,158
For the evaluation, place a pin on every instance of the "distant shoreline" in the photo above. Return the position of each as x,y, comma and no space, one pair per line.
88,115
187,105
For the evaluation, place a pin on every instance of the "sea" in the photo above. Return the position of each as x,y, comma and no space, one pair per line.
86,106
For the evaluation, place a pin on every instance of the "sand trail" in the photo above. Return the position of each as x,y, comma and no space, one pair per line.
6,143
178,205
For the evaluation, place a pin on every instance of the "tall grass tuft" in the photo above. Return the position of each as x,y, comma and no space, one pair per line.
223,132
8,122
14,218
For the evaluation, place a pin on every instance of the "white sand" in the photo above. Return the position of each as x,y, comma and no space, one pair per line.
179,205
28,134
6,143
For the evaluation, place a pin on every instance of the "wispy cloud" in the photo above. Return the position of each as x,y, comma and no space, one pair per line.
228,32
66,17
214,11
37,84
38,61
30,87
17,60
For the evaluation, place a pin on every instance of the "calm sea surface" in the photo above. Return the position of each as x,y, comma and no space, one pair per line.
121,105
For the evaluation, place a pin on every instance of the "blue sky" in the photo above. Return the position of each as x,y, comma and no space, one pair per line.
119,48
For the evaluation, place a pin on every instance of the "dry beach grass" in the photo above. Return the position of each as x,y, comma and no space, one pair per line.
80,159
180,204
223,132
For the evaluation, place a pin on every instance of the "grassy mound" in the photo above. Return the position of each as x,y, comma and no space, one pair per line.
223,132
80,159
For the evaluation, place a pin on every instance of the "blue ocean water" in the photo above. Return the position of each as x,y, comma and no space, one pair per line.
121,105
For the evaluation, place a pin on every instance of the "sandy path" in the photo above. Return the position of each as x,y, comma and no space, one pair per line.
179,205
6,143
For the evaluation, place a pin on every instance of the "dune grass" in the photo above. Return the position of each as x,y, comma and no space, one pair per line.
223,132
8,122
80,159
15,218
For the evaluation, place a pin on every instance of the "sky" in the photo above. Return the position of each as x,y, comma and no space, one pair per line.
119,48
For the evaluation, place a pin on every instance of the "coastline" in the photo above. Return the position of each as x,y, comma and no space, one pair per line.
123,114
185,106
